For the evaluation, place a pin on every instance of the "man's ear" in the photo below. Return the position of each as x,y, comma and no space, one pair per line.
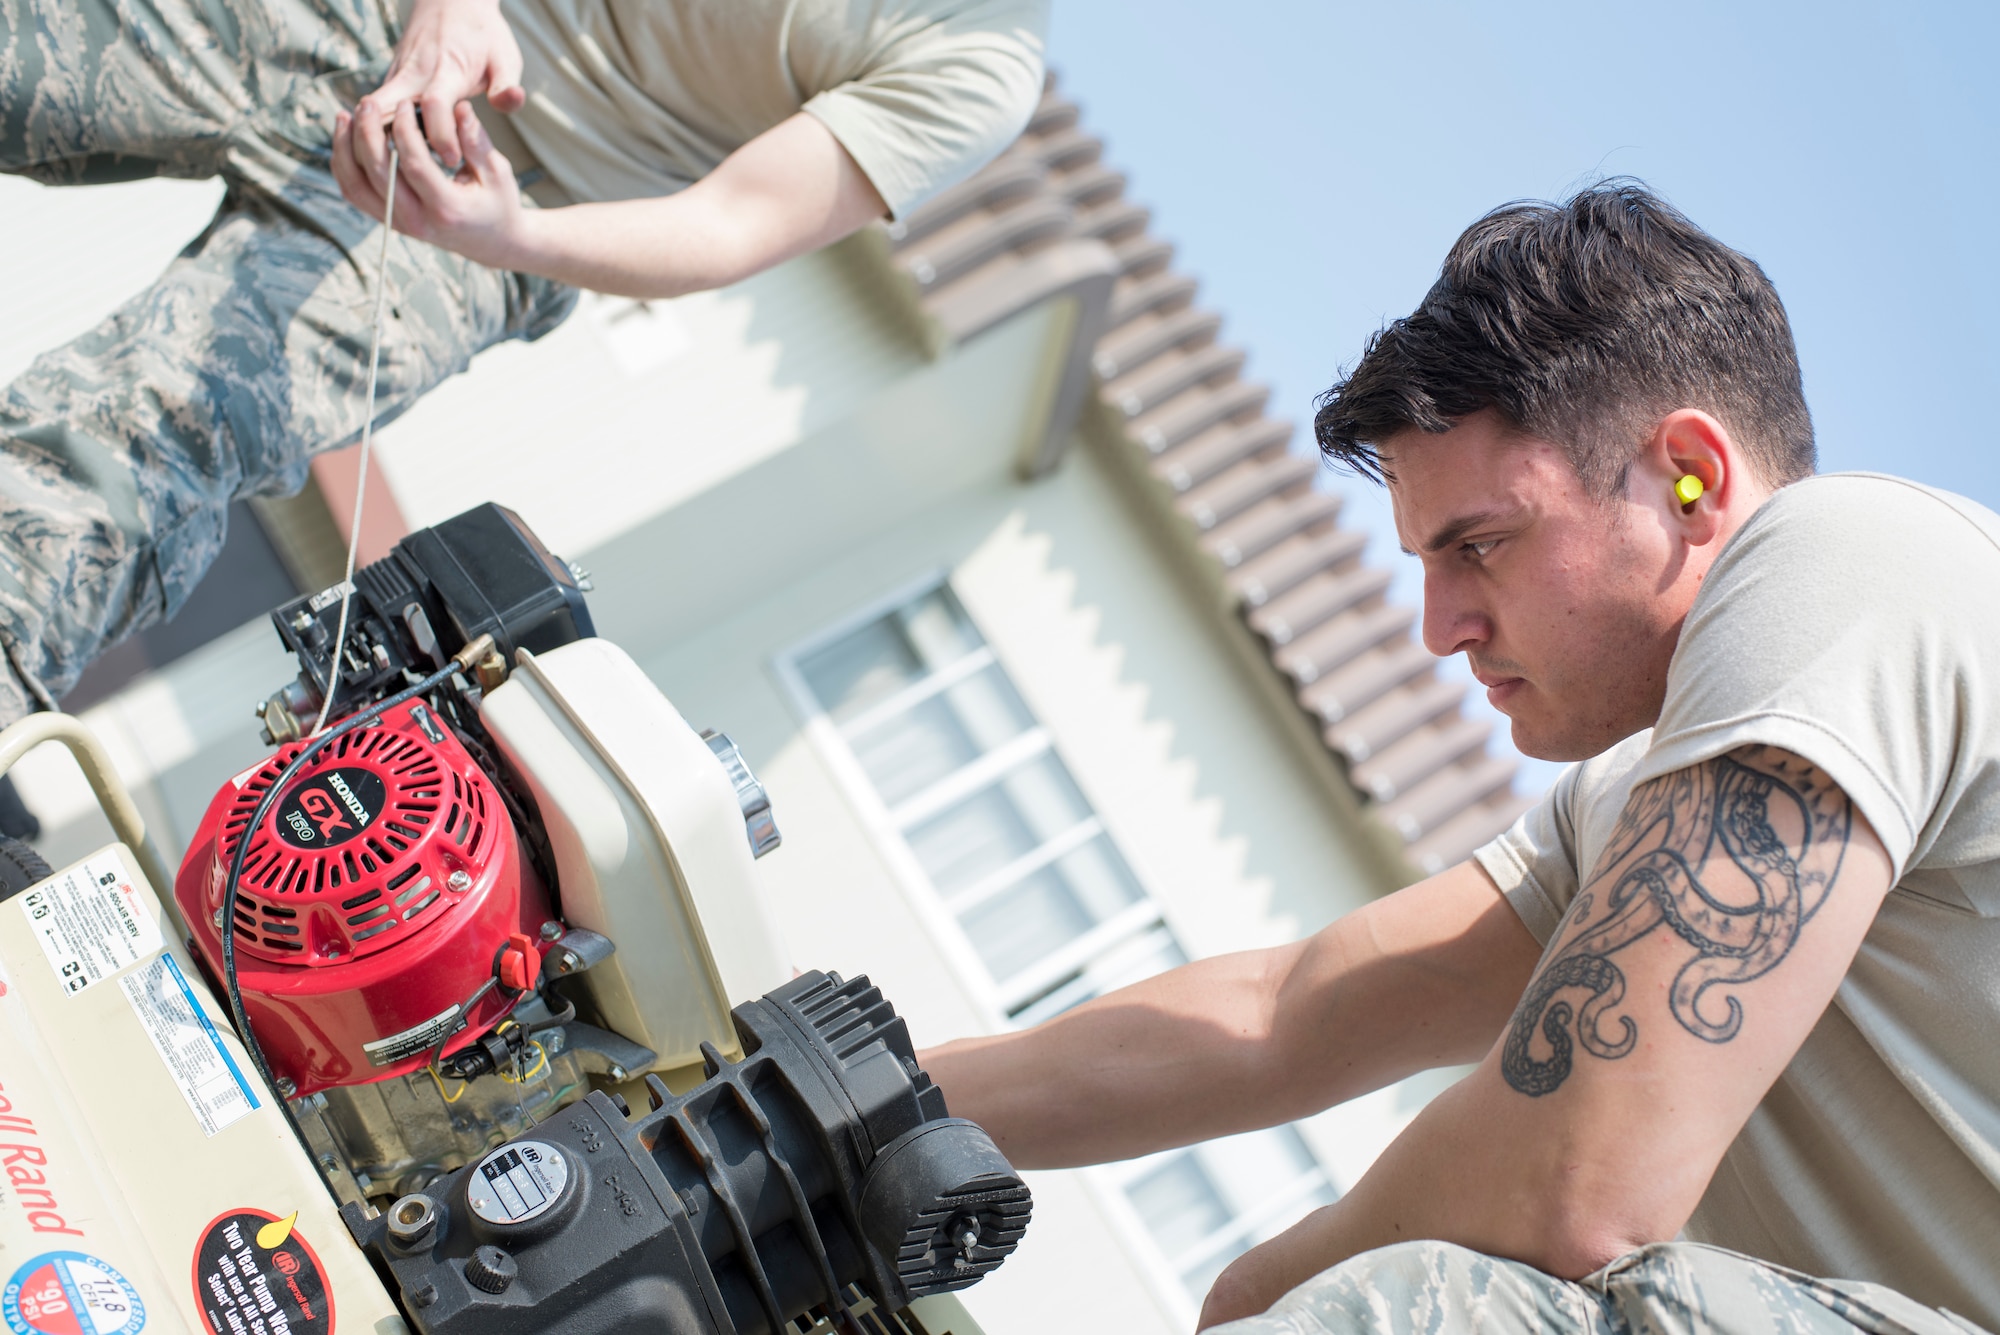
1688,443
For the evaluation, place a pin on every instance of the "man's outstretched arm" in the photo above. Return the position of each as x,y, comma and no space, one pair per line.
1690,967
1422,978
790,190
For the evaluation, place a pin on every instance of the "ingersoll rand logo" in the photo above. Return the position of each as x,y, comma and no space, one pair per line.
330,808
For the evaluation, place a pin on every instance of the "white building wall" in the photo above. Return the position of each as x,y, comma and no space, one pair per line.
632,408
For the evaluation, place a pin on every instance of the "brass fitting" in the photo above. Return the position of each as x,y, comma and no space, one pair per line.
481,657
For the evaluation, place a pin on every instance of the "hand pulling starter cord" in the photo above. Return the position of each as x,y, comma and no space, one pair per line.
321,736
367,436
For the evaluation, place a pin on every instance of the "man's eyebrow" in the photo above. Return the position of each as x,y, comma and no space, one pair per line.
1459,527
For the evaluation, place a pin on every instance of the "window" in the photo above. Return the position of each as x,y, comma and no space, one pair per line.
1208,1204
963,778
971,784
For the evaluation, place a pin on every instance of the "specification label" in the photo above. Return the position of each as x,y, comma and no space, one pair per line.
208,1077
517,1182
89,921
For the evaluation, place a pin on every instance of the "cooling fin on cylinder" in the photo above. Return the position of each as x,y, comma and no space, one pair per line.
822,1161
946,1208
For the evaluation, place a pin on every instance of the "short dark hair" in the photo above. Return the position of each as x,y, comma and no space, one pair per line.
1583,323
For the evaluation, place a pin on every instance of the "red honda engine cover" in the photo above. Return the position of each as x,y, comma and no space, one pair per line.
374,902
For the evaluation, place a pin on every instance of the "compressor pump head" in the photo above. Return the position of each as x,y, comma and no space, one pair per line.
821,1165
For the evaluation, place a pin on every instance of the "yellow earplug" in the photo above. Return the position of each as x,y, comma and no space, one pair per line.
1689,489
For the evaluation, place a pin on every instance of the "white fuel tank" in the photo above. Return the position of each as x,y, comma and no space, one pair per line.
649,844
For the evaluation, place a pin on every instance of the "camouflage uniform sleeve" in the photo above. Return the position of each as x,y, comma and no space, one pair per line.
120,453
1414,1288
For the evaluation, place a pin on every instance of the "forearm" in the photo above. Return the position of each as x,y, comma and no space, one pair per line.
1420,979
792,189
1683,978
650,249
1176,1058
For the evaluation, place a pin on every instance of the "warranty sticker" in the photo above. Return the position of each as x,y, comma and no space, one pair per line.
89,921
71,1293
254,1274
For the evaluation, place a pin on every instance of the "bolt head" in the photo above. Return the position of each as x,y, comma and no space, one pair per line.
460,881
412,1218
286,1088
551,930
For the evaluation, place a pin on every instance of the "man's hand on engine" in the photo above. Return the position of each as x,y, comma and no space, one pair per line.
451,50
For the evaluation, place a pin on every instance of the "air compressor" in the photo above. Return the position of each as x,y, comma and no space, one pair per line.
470,973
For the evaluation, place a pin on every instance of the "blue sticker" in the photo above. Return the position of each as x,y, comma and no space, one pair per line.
71,1293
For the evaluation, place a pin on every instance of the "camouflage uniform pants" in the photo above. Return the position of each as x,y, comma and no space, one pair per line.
120,453
1434,1288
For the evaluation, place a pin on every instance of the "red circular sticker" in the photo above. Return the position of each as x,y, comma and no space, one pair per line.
255,1274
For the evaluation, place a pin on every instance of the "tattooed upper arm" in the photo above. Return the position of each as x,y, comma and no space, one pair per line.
1725,865
1696,959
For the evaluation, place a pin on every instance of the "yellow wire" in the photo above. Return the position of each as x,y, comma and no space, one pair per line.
448,1098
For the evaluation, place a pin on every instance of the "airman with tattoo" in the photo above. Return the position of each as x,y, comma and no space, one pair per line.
1731,991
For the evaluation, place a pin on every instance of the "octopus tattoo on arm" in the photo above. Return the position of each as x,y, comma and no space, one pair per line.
1699,854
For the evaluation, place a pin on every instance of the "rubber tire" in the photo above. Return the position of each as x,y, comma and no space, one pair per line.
20,867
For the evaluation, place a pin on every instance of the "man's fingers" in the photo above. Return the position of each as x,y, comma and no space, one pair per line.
343,153
472,136
372,113
403,83
503,79
487,163
441,123
371,146
355,186
419,174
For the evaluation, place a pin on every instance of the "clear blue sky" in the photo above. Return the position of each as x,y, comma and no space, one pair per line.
1314,162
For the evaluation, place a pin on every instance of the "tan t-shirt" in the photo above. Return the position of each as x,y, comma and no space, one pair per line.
629,99
1854,621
